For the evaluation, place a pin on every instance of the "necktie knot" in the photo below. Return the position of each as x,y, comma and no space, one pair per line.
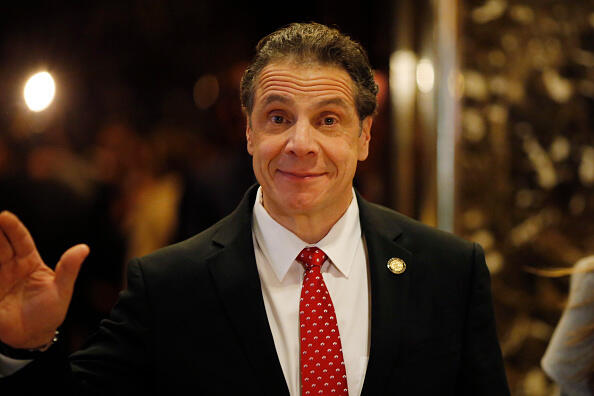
311,257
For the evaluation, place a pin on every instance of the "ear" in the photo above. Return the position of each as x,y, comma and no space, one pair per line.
249,136
364,138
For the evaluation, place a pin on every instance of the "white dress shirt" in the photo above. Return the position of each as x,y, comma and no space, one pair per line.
345,275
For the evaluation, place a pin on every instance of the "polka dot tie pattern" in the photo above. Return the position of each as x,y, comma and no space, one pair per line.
322,364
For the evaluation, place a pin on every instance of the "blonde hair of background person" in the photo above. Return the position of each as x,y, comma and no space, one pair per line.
569,358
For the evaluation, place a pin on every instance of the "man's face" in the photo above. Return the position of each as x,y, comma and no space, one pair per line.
305,137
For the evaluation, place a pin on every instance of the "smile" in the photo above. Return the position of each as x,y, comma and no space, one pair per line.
300,175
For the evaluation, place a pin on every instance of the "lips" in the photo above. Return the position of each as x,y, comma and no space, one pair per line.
300,175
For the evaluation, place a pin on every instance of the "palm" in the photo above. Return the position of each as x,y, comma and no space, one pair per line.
33,298
29,304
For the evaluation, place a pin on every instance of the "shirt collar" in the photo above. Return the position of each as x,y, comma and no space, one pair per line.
280,246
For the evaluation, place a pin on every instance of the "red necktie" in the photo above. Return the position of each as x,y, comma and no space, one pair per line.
322,364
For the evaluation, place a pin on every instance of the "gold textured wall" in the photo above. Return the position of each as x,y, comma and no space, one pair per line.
525,162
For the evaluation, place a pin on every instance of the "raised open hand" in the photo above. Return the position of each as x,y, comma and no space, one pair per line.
34,299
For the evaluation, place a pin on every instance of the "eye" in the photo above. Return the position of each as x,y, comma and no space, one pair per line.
329,121
277,119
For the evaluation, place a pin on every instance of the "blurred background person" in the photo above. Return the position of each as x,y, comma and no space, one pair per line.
569,358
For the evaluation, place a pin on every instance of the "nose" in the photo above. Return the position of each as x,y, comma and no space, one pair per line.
302,139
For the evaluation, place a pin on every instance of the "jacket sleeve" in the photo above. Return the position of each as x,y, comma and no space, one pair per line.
482,371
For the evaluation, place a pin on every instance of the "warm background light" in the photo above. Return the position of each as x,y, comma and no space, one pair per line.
425,75
402,75
39,91
206,91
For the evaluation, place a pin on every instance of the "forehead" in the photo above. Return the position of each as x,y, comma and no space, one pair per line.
310,81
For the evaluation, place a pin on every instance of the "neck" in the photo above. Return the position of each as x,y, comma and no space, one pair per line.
310,227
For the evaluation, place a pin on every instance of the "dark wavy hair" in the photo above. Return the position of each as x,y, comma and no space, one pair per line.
314,42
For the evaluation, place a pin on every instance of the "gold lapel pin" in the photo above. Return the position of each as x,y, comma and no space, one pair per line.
396,265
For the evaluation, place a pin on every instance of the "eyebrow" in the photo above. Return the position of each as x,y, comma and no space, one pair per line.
334,101
276,98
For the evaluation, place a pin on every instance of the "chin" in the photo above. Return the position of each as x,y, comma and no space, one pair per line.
299,203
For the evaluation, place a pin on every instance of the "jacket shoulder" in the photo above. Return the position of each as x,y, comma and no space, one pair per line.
187,255
190,257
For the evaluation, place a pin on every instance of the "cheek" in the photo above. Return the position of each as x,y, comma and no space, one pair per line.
342,155
266,150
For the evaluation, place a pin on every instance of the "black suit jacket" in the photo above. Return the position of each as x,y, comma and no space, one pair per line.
193,316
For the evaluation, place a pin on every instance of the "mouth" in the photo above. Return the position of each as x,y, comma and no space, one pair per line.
300,175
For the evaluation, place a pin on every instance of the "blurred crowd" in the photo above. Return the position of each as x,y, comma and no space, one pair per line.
125,192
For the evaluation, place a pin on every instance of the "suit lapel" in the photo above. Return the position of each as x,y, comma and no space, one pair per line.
235,274
389,294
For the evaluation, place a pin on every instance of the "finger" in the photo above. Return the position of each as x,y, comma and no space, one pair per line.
17,234
68,268
6,252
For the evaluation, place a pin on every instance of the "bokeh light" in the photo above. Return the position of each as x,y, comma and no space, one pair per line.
206,91
39,91
402,74
425,75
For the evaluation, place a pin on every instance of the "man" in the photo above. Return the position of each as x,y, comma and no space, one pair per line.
305,288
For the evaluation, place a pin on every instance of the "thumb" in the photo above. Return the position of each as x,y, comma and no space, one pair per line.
68,267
